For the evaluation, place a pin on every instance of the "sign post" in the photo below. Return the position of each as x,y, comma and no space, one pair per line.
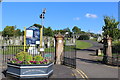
24,38
41,30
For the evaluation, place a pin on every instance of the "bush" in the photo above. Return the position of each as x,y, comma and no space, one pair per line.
83,37
26,58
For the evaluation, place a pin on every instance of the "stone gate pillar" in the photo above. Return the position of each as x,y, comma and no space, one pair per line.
104,50
59,46
109,48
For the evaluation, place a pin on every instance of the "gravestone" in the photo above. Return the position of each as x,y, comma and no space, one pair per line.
99,39
32,49
17,42
11,41
98,52
8,42
48,42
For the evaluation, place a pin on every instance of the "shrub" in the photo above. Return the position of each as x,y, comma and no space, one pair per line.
83,37
116,47
25,58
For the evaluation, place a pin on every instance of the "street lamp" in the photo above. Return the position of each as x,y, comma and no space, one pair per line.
41,29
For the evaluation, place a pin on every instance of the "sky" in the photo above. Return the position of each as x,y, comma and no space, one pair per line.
61,0
59,15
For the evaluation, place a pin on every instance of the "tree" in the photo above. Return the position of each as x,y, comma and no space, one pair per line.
37,25
111,27
83,37
8,31
48,31
76,29
67,29
18,32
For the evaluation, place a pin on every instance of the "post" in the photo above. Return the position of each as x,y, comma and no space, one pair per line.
24,38
59,46
41,29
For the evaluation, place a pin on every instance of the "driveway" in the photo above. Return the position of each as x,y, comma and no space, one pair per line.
86,62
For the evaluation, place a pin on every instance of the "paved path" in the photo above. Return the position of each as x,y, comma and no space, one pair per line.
94,69
60,72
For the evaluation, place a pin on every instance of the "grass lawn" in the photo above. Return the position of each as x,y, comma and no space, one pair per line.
82,45
52,49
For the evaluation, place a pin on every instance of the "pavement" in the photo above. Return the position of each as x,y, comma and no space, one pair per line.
60,72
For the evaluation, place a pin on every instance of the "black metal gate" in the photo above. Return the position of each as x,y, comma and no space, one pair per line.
69,58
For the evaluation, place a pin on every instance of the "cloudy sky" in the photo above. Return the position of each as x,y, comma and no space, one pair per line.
59,15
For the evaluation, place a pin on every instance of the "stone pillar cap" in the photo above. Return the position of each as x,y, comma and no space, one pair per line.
59,35
109,38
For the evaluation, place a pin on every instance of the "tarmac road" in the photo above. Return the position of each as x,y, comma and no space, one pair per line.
94,69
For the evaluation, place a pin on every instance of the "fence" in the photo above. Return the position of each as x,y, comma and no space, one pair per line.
115,59
9,52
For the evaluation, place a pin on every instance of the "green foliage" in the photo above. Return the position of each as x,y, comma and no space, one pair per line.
48,31
28,57
37,25
67,30
116,47
79,44
8,31
38,58
24,56
76,29
11,31
83,37
111,27
18,32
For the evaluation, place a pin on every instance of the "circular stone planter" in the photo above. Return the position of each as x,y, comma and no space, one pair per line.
30,71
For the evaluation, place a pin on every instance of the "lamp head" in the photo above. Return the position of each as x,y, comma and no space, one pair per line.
44,10
42,16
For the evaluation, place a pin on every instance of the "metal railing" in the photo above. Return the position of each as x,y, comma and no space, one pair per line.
114,60
9,52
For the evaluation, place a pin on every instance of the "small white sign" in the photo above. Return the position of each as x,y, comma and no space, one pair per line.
37,42
29,33
109,43
41,49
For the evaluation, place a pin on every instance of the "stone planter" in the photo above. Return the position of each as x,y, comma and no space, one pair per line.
30,71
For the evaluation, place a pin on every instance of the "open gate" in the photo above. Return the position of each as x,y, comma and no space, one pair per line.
69,57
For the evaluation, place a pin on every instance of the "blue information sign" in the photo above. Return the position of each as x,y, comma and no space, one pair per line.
32,35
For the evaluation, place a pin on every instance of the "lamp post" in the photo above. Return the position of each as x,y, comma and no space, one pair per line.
41,29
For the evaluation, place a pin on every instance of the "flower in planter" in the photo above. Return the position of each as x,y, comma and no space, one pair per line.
19,62
25,58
